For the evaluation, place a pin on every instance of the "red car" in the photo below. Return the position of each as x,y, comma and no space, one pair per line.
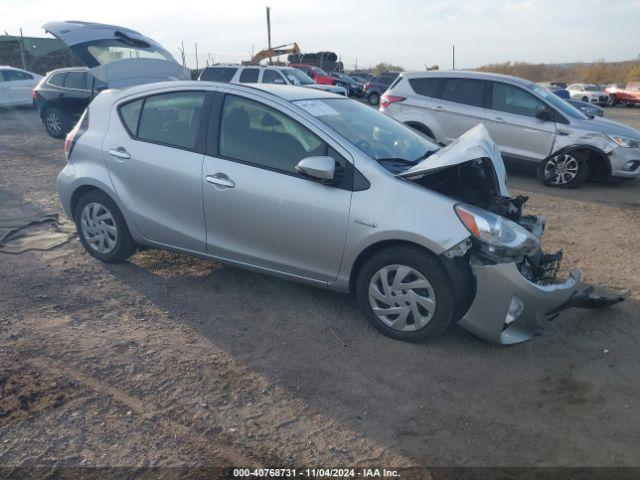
316,73
629,95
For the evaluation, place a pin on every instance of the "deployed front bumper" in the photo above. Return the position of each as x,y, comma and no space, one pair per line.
496,317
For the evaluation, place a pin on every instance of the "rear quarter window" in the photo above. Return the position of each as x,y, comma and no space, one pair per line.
218,74
130,114
57,79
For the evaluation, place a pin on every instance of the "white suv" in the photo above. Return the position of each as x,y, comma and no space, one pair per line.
16,86
589,93
264,74
528,122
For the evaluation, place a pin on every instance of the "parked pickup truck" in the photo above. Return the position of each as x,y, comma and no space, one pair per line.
629,95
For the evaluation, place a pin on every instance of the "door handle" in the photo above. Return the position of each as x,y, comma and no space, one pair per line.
499,120
119,152
438,107
221,180
562,133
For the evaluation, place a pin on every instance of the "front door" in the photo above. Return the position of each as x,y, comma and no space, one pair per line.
155,165
513,125
258,209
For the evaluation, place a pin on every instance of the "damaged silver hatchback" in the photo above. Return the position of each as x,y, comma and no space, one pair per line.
317,188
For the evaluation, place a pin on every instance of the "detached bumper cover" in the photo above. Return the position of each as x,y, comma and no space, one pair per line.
496,286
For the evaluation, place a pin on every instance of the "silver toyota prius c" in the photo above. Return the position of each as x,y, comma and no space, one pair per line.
306,185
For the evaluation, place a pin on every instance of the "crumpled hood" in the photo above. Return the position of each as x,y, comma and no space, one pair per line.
472,145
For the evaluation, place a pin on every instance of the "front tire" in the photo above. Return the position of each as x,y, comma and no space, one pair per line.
102,229
56,122
373,99
405,293
564,170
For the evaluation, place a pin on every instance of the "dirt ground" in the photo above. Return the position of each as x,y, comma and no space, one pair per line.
175,361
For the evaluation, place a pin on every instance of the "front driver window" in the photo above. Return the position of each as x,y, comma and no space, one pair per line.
254,133
511,99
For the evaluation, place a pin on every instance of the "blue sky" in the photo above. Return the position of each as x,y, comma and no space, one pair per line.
410,33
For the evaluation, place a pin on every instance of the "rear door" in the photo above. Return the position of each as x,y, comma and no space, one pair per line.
459,108
154,151
513,125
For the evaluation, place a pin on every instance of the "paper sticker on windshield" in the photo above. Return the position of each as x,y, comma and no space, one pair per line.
316,107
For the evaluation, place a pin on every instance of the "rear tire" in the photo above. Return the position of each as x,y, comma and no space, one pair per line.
102,229
56,122
564,170
410,292
373,99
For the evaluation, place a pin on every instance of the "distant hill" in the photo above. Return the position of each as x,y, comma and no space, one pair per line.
596,72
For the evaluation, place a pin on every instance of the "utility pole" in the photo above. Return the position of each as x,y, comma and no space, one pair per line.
24,63
454,57
269,31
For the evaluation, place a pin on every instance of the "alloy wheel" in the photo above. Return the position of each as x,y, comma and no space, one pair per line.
561,169
99,228
402,298
54,123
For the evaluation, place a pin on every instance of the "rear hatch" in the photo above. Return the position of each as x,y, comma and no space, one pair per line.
118,56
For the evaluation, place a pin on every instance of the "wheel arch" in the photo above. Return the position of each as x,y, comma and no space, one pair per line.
597,159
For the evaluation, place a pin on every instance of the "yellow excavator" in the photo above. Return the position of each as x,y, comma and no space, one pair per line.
290,48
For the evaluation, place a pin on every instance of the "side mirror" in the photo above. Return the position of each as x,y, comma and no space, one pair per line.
321,168
544,115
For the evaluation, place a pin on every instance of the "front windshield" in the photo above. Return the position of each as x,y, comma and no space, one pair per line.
591,88
107,51
558,103
296,77
373,132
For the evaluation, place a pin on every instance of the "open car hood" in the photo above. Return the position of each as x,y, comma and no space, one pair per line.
475,144
118,56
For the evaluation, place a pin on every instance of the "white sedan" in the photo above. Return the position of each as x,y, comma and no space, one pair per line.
589,93
16,86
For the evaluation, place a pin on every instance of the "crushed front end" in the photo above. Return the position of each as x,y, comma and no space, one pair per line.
516,283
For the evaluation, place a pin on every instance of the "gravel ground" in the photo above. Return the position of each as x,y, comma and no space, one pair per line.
171,360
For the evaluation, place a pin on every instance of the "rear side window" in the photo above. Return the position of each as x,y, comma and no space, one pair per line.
271,76
429,87
249,75
385,79
57,79
171,119
130,113
463,90
76,80
218,74
512,99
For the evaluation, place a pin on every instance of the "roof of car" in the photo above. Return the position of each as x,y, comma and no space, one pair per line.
468,74
286,92
68,69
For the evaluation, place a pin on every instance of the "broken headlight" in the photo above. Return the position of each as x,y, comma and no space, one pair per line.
624,141
496,234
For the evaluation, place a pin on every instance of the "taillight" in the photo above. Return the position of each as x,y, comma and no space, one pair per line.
367,85
387,100
75,133
34,94
68,141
